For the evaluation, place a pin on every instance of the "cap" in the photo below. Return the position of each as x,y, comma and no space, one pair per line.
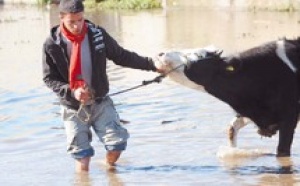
71,6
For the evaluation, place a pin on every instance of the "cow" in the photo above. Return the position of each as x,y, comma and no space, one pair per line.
260,84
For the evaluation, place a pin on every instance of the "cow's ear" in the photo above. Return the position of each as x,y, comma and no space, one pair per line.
219,52
216,53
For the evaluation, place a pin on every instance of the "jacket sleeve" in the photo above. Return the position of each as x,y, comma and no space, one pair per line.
53,78
123,57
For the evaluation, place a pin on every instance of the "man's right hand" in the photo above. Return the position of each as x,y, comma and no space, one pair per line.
82,94
159,65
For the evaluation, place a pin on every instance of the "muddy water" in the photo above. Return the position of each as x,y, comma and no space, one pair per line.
178,135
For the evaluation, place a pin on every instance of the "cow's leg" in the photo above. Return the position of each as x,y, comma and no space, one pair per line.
236,124
286,134
288,122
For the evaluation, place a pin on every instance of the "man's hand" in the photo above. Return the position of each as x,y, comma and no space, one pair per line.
160,67
83,95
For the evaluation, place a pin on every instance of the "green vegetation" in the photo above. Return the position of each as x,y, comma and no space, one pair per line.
123,4
282,8
43,2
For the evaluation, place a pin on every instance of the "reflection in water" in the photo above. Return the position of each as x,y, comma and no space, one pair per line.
283,175
286,165
170,169
238,164
95,177
113,178
82,179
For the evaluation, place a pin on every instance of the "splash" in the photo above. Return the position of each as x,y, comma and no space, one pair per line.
234,152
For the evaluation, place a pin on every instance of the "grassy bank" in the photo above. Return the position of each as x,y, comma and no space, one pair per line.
254,5
123,4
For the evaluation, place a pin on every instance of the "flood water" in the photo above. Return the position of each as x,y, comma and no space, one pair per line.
178,135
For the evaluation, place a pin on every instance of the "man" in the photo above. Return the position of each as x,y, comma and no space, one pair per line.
74,67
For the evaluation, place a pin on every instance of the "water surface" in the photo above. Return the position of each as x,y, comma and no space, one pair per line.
178,135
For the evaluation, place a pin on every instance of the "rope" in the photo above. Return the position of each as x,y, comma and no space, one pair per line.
144,83
157,79
86,115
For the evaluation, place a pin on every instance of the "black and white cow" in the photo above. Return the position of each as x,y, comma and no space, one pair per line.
261,84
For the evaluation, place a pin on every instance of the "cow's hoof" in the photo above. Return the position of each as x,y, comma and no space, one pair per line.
283,154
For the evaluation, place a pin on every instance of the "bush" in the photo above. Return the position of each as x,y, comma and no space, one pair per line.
130,4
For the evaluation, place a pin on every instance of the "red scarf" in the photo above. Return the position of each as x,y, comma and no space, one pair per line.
75,75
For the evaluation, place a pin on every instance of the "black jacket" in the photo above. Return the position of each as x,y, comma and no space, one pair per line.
102,47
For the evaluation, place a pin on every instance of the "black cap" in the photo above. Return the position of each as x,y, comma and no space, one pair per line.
71,6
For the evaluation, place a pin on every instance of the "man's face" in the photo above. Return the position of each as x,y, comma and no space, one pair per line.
73,22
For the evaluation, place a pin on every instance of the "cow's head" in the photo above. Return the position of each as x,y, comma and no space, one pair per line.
174,64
